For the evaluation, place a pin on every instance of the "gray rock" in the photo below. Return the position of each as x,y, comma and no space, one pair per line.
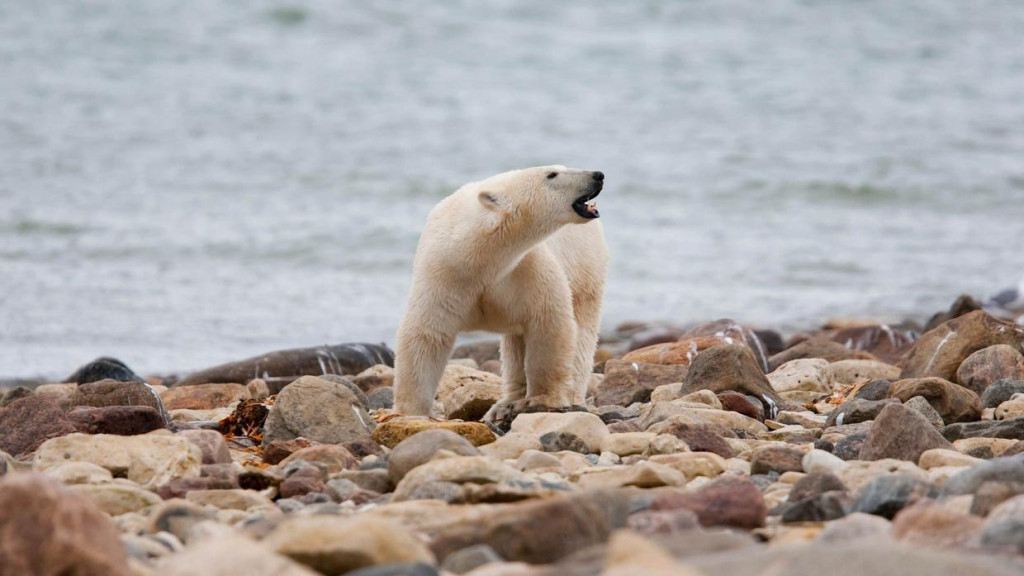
382,397
1009,469
1012,429
814,484
470,558
849,447
819,508
886,495
559,441
422,447
874,390
318,410
921,404
857,410
347,383
413,569
1000,391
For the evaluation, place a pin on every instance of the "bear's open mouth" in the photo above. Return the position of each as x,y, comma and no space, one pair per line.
585,205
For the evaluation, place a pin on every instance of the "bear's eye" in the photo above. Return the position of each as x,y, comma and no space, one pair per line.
552,175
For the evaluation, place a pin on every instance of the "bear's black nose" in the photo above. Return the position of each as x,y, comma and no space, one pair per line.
598,176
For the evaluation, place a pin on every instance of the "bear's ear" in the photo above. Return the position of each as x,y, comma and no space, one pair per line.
490,201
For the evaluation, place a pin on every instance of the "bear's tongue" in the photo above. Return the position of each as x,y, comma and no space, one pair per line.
586,207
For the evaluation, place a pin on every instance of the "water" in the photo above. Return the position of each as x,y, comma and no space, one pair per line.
188,182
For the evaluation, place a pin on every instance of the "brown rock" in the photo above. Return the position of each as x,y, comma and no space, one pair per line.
467,393
731,332
882,341
116,393
539,532
964,304
927,523
333,457
954,403
941,351
652,336
278,450
736,402
728,501
392,432
902,433
26,423
628,382
999,362
767,459
203,396
121,420
699,437
46,529
817,348
343,359
732,367
307,478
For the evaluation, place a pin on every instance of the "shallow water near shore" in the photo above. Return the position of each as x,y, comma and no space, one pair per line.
189,183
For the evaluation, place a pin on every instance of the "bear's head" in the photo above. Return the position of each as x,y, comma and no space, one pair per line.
552,195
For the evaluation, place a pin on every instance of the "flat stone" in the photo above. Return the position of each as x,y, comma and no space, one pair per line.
121,420
768,459
847,372
641,475
627,443
233,499
203,396
116,499
1012,429
392,432
150,460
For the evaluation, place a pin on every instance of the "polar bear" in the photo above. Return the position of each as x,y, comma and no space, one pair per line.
521,254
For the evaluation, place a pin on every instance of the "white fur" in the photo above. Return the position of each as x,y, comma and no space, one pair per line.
508,255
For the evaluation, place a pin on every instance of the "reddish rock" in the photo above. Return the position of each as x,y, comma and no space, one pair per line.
882,341
333,457
768,459
986,366
941,351
728,501
954,403
627,382
116,393
306,479
203,396
964,304
816,348
732,367
28,422
652,336
699,437
120,420
47,529
278,450
731,332
343,359
736,402
902,433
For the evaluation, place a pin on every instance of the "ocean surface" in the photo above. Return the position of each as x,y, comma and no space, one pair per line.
189,182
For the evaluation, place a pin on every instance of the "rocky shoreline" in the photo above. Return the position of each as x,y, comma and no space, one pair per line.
705,450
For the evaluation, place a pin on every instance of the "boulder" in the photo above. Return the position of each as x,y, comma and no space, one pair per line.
150,460
902,433
319,410
343,359
48,529
810,374
28,422
110,392
954,403
732,367
940,352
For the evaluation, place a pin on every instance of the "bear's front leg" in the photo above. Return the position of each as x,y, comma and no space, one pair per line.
420,358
